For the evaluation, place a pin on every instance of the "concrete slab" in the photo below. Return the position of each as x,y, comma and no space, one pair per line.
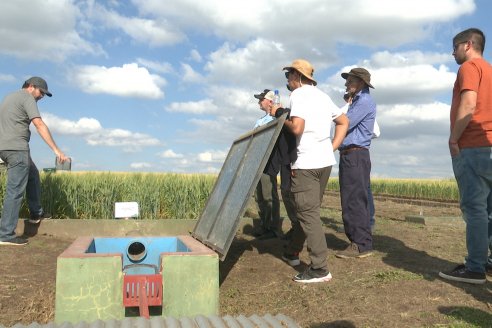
112,228
434,219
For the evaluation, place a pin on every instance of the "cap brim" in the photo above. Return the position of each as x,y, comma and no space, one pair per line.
46,92
258,96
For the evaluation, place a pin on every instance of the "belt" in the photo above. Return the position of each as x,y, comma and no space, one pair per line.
351,148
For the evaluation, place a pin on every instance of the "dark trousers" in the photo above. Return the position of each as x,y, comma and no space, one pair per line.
354,175
268,202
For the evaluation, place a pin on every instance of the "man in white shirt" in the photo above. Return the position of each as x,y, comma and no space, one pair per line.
312,112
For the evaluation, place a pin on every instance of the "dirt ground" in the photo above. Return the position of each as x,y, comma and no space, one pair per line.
397,287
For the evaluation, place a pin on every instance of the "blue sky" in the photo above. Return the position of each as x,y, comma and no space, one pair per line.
167,86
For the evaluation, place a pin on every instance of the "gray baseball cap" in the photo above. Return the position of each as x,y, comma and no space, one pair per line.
39,83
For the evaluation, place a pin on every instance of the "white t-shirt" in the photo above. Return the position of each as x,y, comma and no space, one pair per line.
314,149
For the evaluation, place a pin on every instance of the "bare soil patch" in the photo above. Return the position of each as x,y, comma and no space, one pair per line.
397,287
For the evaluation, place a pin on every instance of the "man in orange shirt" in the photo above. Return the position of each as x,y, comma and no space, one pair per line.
470,145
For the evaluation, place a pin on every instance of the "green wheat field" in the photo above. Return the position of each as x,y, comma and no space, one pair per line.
92,195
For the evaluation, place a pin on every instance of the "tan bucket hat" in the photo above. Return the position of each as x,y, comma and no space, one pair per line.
304,67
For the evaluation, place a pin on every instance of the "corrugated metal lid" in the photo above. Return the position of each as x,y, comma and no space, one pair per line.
235,185
254,321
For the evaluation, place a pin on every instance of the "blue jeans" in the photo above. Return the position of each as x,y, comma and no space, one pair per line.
473,172
22,177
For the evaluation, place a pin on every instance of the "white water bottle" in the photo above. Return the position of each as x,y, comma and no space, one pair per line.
276,98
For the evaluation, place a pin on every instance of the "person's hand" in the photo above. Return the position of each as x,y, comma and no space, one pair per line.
274,108
454,148
61,157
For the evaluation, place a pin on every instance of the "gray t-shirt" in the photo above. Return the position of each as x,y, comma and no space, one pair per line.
16,113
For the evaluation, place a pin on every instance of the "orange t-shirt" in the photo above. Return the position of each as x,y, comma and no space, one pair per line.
475,75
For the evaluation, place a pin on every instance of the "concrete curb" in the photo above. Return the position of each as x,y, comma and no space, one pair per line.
112,228
426,220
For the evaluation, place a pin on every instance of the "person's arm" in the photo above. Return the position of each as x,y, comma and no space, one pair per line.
464,114
295,125
45,133
341,128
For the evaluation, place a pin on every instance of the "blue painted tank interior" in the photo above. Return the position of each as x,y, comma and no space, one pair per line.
141,255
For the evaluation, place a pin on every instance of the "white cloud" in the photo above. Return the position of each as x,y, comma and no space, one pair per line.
140,165
160,67
83,126
131,141
404,113
217,156
281,20
404,79
250,65
195,56
130,80
386,58
190,75
153,32
195,107
42,30
169,153
95,135
7,78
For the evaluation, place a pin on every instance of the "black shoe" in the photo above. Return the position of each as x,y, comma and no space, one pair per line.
37,219
291,259
313,275
288,234
258,232
269,234
461,273
16,241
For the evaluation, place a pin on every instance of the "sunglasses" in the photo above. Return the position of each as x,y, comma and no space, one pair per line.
288,73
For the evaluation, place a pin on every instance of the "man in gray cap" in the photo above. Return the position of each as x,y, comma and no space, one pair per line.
355,165
266,194
17,111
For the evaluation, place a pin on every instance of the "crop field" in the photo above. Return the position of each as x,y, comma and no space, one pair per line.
92,195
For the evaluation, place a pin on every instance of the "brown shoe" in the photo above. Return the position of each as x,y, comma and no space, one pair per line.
352,251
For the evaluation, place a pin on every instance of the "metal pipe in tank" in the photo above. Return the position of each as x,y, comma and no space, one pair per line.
136,251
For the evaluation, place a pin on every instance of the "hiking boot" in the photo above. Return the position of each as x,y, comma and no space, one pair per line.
38,219
16,241
352,251
291,259
461,273
313,275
